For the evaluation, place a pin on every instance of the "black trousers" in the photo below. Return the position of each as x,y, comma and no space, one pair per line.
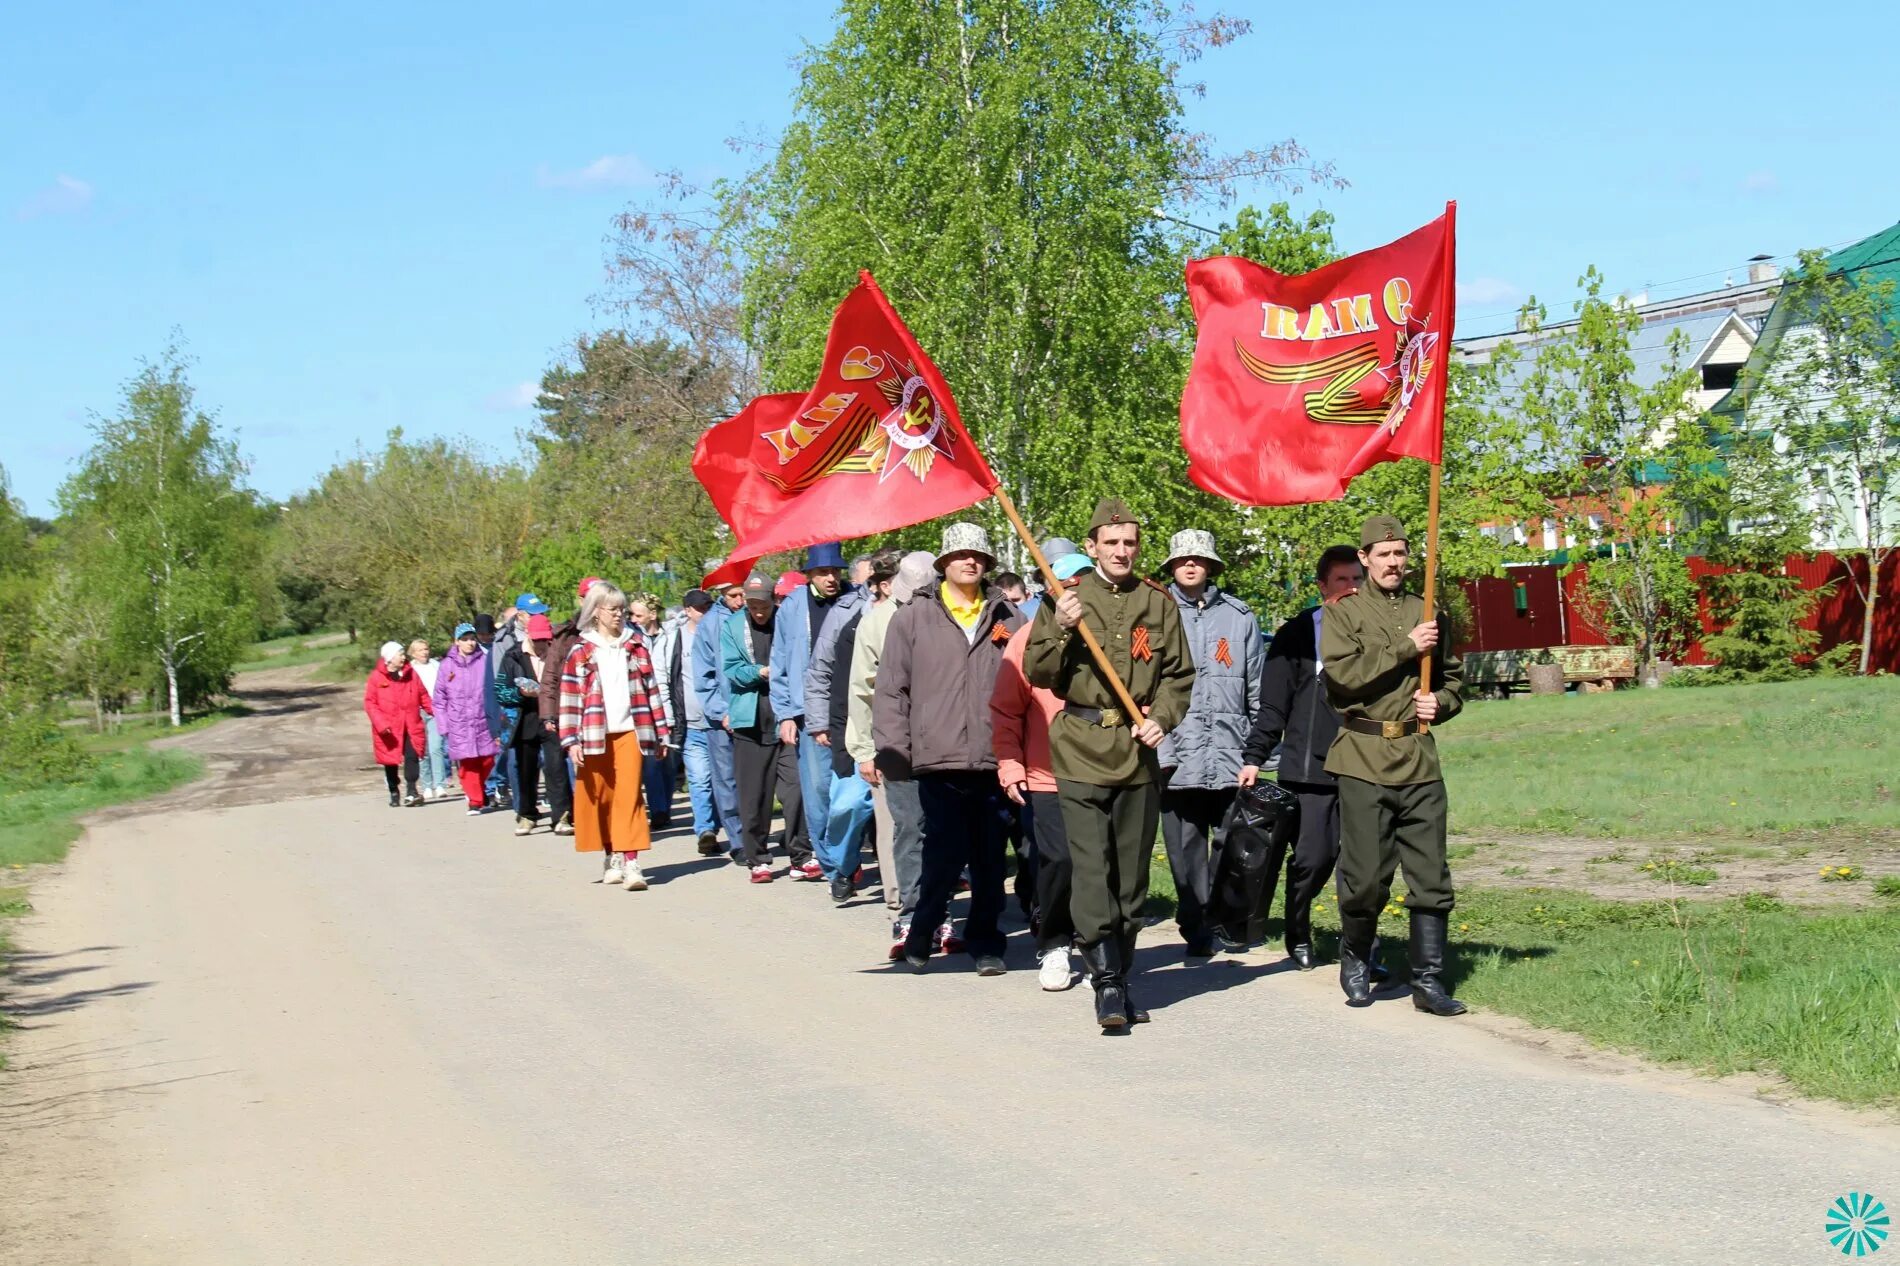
965,824
1055,873
528,770
1191,818
762,768
1309,863
411,769
1111,834
554,769
1382,828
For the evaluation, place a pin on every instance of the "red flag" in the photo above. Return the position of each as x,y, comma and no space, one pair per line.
876,444
1300,383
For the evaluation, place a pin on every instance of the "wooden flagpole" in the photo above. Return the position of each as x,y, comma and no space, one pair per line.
1431,574
1055,589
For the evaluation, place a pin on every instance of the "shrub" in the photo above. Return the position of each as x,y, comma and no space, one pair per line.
35,750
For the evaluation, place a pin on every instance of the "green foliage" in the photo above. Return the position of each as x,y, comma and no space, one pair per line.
1826,393
1623,465
614,484
552,566
1887,886
1000,170
1759,614
408,541
34,750
165,537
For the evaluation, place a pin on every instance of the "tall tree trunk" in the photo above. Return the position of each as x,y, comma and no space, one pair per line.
1867,612
171,686
98,713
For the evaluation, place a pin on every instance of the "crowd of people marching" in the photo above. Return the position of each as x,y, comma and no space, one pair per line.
926,713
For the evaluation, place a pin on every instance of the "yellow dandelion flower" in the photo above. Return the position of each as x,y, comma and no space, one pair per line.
1464,927
1636,962
1844,870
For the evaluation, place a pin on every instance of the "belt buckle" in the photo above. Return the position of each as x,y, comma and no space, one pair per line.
1392,729
1111,718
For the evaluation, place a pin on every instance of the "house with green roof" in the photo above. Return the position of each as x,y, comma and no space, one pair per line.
1788,340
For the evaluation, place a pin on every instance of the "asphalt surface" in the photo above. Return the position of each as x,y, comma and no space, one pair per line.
324,1031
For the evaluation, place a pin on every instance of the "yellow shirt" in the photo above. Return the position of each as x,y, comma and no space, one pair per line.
965,616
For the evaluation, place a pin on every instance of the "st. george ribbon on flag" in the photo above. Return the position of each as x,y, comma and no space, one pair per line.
876,444
1299,383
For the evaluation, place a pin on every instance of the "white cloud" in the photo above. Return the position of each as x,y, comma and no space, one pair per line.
1487,290
67,195
509,399
1760,182
609,171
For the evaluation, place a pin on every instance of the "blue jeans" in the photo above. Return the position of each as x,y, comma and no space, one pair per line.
725,788
699,781
846,816
504,773
814,779
435,761
656,777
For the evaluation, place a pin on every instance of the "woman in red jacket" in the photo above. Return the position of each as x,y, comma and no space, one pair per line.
395,700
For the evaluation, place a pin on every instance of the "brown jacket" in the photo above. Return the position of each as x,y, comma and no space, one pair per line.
931,712
548,702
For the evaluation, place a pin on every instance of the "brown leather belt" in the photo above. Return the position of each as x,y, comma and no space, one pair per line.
1384,729
1107,718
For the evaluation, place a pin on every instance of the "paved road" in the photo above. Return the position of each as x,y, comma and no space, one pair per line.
323,1031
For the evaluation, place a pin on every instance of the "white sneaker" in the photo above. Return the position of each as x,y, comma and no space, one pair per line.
1055,975
636,882
616,871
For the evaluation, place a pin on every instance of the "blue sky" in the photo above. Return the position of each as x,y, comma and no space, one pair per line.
367,216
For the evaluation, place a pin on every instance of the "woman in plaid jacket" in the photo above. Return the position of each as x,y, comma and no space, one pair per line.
610,721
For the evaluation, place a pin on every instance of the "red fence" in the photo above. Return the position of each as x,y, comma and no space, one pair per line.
1535,606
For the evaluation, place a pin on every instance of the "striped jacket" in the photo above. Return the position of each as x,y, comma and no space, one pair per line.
584,712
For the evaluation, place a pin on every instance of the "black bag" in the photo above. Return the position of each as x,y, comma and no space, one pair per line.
1254,838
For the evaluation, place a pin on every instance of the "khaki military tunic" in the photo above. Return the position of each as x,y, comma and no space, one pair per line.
1126,619
1371,671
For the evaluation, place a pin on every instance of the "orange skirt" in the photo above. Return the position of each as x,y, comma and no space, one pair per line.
609,806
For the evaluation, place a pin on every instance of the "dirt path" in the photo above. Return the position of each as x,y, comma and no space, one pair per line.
260,1030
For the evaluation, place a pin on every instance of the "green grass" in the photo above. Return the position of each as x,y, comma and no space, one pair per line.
289,652
38,825
137,731
1743,985
1734,763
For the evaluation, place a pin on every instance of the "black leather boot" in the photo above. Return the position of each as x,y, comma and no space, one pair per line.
1135,1014
1104,959
1376,970
1355,948
1299,936
1428,965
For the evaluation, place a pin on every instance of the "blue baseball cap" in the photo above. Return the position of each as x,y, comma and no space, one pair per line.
824,554
464,629
528,604
1070,566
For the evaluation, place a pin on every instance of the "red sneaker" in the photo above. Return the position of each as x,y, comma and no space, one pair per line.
761,874
810,870
948,942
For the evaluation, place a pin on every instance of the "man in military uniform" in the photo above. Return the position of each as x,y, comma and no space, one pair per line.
1108,778
1391,795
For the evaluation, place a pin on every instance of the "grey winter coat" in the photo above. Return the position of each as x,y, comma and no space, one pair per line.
1204,750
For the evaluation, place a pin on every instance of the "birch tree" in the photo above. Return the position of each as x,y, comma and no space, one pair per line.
170,531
